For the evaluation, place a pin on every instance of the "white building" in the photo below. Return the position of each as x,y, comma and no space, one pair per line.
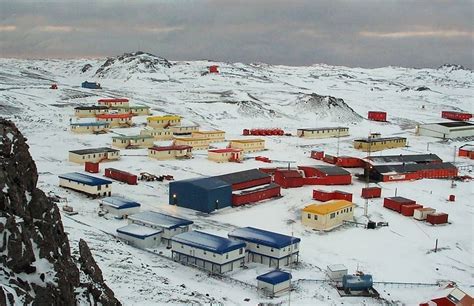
267,247
119,207
209,252
274,283
336,272
446,129
90,185
140,236
170,225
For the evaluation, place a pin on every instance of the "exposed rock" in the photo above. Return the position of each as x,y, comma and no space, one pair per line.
327,107
86,67
32,239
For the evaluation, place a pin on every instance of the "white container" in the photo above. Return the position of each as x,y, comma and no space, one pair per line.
336,272
422,213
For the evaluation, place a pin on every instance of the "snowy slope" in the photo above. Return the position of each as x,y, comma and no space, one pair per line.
248,96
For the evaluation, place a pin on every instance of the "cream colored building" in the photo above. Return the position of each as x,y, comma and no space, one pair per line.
90,185
376,143
225,155
214,136
170,152
90,111
89,127
248,145
327,215
195,142
135,110
110,102
135,141
116,120
163,121
324,132
184,129
94,155
158,133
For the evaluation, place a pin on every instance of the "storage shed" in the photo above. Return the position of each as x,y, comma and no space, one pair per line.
90,111
121,176
116,120
327,215
132,141
446,130
371,192
204,194
377,116
255,194
213,69
457,116
170,152
289,178
466,150
248,145
421,213
120,207
163,121
209,252
406,172
266,247
396,203
323,132
349,162
336,272
324,196
95,155
274,283
214,136
140,236
437,218
408,210
325,175
111,102
87,184
170,225
90,127
225,155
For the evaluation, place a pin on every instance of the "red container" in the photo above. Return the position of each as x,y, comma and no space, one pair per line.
213,69
371,192
458,116
319,155
323,196
377,116
341,195
256,195
452,198
329,159
91,167
437,218
408,210
349,162
395,203
122,176
246,132
288,178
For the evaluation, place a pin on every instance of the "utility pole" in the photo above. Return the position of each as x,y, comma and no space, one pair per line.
338,141
367,178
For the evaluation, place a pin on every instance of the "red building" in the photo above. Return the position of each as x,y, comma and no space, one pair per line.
330,159
319,155
214,69
288,178
121,176
377,116
407,172
396,203
246,179
91,167
252,195
466,150
325,175
437,218
371,192
457,116
325,196
349,162
409,210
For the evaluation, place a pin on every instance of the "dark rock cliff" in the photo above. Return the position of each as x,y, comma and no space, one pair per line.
36,265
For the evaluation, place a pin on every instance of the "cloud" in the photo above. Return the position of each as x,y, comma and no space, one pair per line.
60,29
7,28
409,34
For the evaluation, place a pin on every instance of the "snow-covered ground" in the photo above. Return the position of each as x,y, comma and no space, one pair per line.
250,96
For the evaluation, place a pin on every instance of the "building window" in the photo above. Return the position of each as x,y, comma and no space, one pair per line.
226,256
351,209
258,247
315,217
241,250
271,250
99,187
309,216
332,216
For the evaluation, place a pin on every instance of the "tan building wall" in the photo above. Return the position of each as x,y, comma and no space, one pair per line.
136,111
170,154
222,157
327,221
93,157
214,136
141,142
117,122
196,143
248,145
158,134
101,190
323,133
89,129
379,145
184,129
89,113
163,121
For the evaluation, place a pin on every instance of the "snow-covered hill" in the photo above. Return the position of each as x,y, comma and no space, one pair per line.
248,96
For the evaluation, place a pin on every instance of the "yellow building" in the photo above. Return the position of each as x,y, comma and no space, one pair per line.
376,143
248,145
195,142
225,155
184,129
170,152
158,134
95,155
116,120
89,127
163,121
327,215
214,136
135,141
90,111
324,132
135,110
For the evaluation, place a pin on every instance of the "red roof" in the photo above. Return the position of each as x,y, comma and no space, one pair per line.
113,100
171,148
109,116
226,150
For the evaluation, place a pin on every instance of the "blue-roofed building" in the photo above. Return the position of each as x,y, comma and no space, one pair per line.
88,184
209,252
170,225
95,127
120,207
274,283
204,194
140,236
268,248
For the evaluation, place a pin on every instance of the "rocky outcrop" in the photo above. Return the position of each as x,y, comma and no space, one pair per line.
36,262
327,107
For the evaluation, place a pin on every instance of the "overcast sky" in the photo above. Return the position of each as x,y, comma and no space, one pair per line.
357,33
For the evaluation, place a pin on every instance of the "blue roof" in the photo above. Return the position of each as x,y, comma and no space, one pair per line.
159,219
137,231
94,123
274,277
208,242
207,183
119,203
267,238
84,179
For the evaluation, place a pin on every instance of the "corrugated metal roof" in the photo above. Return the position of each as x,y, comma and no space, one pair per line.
382,169
208,242
138,231
159,219
242,176
111,100
263,237
371,140
207,183
455,124
289,173
119,202
84,179
330,170
256,189
412,158
274,277
400,199
327,207
94,151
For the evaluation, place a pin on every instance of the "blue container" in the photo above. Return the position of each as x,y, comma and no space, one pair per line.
357,282
203,194
91,85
